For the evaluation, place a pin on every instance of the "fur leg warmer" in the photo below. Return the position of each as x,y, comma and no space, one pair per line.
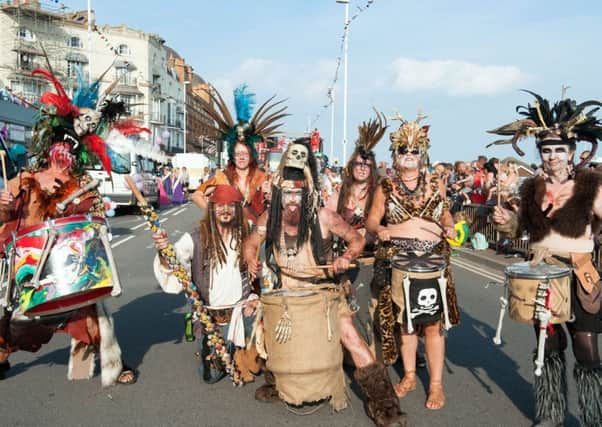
589,393
550,390
110,352
382,405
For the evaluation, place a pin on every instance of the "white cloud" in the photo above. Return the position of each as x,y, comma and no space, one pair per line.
302,81
456,78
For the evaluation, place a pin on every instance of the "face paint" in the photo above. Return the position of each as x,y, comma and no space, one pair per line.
292,197
60,155
550,153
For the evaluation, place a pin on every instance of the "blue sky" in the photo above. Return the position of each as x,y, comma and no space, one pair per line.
461,63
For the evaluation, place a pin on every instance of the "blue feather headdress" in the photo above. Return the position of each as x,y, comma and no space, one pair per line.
247,129
86,95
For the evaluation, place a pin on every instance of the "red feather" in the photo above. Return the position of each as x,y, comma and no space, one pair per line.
130,127
60,100
99,147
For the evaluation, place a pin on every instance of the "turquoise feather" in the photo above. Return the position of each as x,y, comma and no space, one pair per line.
243,103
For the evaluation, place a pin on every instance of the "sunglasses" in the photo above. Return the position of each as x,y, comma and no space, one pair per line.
361,165
403,151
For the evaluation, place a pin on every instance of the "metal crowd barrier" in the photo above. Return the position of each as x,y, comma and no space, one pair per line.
479,218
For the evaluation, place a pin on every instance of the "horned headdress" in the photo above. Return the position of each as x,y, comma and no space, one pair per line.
566,122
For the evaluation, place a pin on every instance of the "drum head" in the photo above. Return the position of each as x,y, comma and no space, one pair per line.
418,263
523,270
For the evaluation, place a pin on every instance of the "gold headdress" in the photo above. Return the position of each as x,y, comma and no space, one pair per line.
410,135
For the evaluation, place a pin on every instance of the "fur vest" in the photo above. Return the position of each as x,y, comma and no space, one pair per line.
570,220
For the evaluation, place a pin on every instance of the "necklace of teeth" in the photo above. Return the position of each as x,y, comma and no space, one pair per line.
291,253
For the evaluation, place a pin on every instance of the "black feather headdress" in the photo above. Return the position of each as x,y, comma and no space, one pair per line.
369,134
566,122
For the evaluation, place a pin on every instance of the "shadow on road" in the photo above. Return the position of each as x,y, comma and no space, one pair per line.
146,321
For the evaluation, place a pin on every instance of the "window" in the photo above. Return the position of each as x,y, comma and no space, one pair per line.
26,61
156,110
129,101
74,41
123,75
72,65
26,34
123,49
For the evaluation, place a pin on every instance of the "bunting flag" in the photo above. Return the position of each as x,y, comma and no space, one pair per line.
339,60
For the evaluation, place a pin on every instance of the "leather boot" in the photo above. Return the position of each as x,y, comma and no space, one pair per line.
267,392
382,405
550,391
589,393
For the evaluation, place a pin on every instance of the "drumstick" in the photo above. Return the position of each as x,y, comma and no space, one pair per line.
2,159
325,266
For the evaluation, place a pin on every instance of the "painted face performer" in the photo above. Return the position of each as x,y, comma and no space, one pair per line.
414,208
68,135
298,235
213,253
561,210
241,137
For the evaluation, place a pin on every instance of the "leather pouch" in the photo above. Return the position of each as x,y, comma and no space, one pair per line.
589,291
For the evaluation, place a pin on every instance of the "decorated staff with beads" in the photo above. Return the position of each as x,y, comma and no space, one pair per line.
561,209
206,264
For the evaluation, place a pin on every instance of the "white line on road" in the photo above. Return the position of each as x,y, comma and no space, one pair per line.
168,211
138,226
114,245
478,270
178,212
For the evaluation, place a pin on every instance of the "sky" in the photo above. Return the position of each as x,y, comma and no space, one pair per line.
461,63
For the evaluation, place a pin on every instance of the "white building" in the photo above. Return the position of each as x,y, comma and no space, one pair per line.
139,59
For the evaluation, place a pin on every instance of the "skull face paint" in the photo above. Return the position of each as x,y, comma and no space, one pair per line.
555,157
60,155
296,156
86,122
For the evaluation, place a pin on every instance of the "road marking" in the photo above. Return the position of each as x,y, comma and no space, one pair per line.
114,245
168,211
478,270
138,226
178,212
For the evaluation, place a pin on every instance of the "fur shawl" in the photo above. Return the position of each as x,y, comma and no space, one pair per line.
570,220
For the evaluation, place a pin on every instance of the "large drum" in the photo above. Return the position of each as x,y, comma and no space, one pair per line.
61,265
527,286
418,288
302,341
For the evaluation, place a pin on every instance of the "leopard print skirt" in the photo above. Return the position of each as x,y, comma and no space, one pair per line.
388,312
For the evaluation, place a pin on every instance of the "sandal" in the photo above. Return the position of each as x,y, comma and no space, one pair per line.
127,376
406,385
436,398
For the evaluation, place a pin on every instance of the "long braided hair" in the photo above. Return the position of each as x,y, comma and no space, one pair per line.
211,239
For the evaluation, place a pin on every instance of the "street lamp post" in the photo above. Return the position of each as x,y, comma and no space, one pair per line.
345,48
331,94
186,83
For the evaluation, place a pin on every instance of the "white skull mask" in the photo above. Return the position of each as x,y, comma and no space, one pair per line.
296,156
427,297
86,122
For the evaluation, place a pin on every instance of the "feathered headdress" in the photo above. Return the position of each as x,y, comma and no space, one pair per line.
410,135
369,134
566,122
247,130
84,121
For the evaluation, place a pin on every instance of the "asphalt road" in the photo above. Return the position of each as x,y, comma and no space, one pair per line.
485,385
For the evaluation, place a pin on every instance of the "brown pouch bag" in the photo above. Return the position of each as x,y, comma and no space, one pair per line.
589,292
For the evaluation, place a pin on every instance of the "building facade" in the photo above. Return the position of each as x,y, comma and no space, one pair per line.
148,80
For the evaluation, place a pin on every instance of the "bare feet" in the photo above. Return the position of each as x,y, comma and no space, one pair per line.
436,399
406,385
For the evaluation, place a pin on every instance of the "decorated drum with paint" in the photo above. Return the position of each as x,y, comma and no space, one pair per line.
61,265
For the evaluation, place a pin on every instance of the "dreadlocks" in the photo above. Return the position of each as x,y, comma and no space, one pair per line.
211,239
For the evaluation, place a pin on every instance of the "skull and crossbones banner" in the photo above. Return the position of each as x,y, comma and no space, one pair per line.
425,301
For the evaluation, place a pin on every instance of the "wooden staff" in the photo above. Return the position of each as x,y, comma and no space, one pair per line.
215,339
3,160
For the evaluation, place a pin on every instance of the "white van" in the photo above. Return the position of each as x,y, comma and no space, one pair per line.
194,163
142,170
